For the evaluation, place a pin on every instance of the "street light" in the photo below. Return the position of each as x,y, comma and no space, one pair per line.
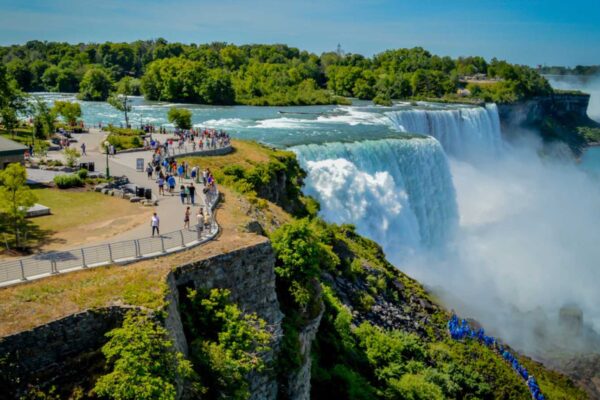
106,146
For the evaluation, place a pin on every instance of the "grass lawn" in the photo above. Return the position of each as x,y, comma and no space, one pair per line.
22,135
80,217
245,154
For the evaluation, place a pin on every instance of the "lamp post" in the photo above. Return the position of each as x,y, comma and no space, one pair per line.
107,146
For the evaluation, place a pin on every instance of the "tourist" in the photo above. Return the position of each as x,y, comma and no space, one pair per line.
194,174
181,172
149,170
192,193
83,149
182,194
186,218
155,223
200,220
161,185
171,182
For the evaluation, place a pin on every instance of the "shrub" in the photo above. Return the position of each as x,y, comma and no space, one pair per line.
226,344
143,362
124,131
65,181
414,387
82,174
71,156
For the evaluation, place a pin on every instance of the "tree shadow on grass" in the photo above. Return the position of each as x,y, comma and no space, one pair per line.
35,239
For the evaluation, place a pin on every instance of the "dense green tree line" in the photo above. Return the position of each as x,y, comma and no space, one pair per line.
583,70
220,73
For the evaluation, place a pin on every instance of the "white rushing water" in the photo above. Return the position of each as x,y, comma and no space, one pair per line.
465,133
397,192
500,234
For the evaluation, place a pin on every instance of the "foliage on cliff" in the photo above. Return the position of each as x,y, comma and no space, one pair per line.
142,362
277,179
221,73
225,343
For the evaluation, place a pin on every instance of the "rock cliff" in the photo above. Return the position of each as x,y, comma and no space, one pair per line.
555,117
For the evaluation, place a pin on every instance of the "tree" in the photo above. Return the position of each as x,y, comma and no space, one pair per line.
10,96
95,85
69,110
15,198
43,118
143,361
120,99
181,117
9,119
71,156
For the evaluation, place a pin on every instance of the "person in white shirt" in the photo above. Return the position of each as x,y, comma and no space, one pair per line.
155,224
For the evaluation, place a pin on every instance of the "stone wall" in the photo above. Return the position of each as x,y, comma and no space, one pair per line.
56,353
66,352
250,276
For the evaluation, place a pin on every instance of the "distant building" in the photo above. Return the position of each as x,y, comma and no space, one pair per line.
11,152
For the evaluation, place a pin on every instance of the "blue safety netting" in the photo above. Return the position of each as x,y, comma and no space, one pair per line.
460,330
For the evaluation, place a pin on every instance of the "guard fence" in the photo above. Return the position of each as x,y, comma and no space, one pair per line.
51,263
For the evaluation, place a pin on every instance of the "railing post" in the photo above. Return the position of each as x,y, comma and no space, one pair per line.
137,248
22,270
53,268
182,239
83,259
110,257
162,244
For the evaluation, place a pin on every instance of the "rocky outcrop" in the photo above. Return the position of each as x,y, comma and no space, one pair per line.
536,109
555,117
250,276
298,382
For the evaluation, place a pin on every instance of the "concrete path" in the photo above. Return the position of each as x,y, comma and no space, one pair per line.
170,210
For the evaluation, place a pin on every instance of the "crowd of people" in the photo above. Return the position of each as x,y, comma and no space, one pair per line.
460,330
169,172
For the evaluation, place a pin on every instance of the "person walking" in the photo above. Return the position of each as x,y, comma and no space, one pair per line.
83,153
180,172
186,218
161,185
182,193
171,182
200,221
149,170
155,223
192,193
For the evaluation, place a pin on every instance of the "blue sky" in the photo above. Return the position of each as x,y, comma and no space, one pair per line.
527,31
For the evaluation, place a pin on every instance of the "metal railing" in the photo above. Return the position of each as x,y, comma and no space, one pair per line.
51,263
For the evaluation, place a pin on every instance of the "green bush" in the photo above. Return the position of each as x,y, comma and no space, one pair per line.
123,131
65,181
82,174
225,343
143,362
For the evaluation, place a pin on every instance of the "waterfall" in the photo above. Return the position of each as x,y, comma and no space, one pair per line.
467,133
398,192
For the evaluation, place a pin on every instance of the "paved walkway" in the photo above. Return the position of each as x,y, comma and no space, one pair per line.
170,210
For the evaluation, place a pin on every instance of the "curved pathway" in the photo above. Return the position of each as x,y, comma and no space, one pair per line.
169,209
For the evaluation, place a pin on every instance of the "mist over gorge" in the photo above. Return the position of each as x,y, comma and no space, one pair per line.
519,244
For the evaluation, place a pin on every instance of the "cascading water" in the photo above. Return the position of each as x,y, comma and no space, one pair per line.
466,133
398,192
